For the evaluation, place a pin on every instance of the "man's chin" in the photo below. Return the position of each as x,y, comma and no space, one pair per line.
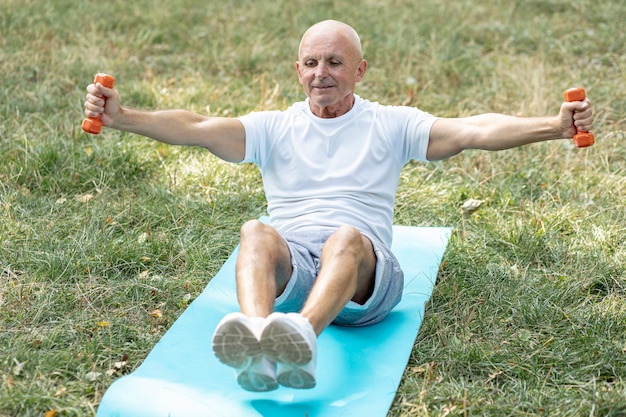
324,99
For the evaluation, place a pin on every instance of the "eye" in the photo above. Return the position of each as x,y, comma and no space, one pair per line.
310,63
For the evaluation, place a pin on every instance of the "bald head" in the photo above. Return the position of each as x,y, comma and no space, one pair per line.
330,63
334,28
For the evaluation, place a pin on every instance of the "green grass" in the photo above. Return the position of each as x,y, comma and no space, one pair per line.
528,317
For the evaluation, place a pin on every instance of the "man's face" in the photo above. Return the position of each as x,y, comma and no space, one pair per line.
329,66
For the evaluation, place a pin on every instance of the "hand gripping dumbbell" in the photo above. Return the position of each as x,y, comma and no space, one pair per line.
93,124
581,139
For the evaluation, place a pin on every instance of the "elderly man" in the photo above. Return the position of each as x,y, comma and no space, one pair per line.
330,168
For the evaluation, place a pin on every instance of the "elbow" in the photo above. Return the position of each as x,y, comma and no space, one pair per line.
439,155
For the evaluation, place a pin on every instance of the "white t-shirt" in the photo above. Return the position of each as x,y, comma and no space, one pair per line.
324,173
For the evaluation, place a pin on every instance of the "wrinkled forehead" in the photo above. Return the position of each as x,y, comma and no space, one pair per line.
330,38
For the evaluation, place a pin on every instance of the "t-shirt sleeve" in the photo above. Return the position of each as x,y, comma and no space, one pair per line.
253,125
416,133
262,128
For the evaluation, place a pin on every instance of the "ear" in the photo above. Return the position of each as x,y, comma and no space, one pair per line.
360,72
298,71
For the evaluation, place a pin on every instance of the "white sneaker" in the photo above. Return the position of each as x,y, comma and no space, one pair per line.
260,376
300,377
290,341
236,344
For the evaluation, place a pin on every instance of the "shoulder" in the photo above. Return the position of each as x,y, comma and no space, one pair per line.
396,113
265,115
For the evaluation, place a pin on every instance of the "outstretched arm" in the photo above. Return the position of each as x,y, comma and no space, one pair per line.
224,137
494,132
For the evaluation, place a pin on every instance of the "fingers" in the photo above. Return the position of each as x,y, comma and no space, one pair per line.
578,115
96,99
583,116
94,105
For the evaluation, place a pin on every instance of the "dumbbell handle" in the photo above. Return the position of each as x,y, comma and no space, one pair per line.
93,124
581,139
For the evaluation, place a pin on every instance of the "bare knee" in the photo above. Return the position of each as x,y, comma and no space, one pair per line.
263,249
251,228
349,244
258,233
347,239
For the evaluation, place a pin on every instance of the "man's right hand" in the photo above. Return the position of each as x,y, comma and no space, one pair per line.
222,136
96,104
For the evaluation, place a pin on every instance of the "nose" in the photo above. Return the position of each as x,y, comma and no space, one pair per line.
321,71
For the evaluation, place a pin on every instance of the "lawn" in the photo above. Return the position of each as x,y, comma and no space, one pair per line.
104,240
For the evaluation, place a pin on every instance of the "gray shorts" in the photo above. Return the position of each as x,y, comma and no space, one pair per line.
306,249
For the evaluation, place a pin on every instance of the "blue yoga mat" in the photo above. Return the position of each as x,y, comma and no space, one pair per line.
358,371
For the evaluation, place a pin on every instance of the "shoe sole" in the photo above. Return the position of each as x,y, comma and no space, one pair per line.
235,345
256,382
297,378
282,342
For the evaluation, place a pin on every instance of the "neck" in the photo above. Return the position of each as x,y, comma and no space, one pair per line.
330,112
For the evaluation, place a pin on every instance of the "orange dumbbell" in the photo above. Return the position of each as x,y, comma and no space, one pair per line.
93,124
581,139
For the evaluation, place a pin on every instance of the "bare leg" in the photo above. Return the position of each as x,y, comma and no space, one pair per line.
347,273
263,268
